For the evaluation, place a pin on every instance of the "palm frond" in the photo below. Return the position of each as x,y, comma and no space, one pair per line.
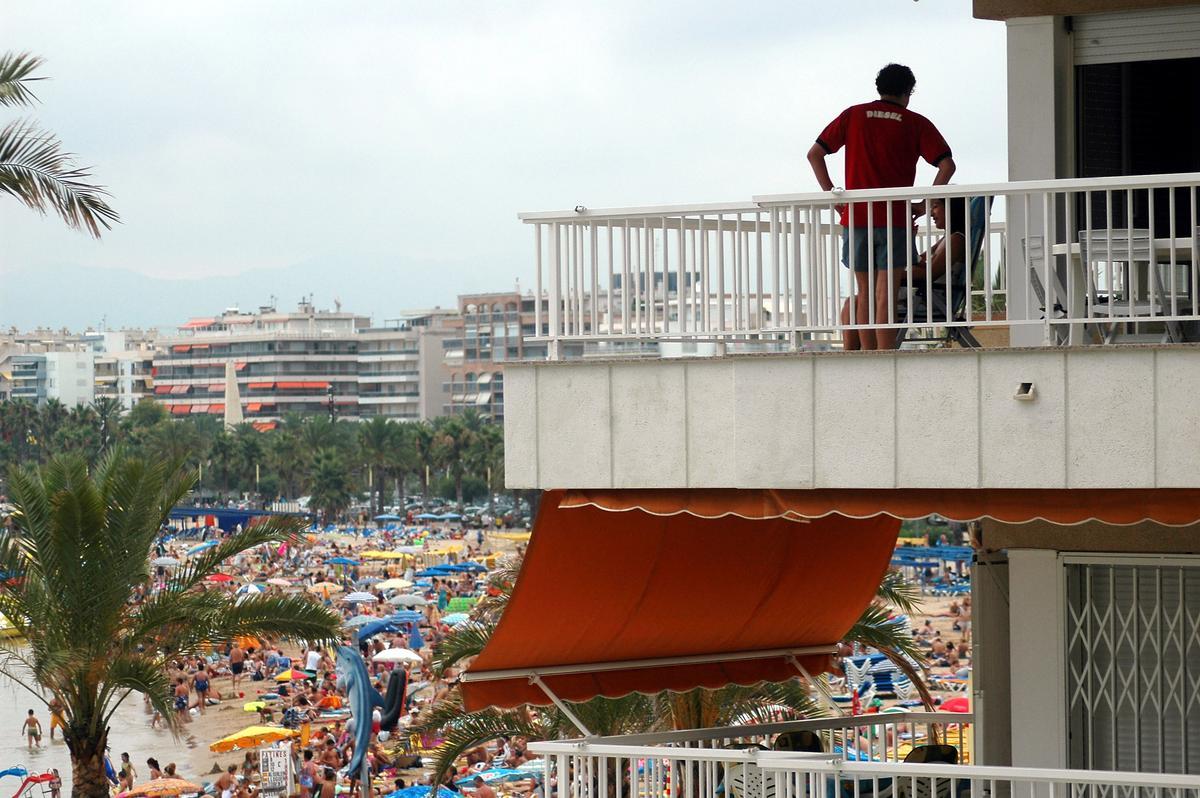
464,641
461,731
900,593
16,73
36,170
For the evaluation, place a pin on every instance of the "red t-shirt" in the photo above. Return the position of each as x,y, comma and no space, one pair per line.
883,141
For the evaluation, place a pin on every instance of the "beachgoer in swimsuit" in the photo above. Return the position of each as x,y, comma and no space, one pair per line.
56,716
32,730
227,782
200,682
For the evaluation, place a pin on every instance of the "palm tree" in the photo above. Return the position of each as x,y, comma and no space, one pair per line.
330,487
453,438
486,459
33,166
422,443
81,543
108,414
375,439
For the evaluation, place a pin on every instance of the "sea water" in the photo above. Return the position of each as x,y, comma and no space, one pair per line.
129,732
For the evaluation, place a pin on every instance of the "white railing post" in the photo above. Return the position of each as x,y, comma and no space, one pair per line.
555,308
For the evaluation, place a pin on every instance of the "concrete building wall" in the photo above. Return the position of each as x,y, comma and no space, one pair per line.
70,377
1113,417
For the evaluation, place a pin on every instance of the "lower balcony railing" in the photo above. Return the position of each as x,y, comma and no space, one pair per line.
1075,261
902,754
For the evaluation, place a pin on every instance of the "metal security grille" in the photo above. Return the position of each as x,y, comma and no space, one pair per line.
1144,35
1133,667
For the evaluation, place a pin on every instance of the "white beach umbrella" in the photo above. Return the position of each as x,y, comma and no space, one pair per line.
360,597
164,562
397,655
408,601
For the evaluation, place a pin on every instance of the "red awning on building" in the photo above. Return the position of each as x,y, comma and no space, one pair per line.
199,346
264,426
253,407
1169,506
216,409
291,386
644,602
240,366
162,389
180,410
199,408
178,390
261,386
181,349
318,386
197,323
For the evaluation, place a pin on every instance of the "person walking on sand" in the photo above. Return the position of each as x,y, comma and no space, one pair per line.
32,730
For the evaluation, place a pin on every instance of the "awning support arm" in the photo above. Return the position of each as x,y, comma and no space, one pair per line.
534,679
821,691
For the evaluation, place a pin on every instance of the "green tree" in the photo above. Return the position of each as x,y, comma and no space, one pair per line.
34,168
81,542
108,419
331,489
376,439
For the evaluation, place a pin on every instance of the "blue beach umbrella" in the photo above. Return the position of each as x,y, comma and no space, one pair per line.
341,561
208,544
369,630
388,517
406,616
428,517
455,618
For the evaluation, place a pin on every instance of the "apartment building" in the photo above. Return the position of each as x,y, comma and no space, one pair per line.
307,361
402,373
491,330
76,368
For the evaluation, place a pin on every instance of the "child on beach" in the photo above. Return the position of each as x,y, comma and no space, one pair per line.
32,730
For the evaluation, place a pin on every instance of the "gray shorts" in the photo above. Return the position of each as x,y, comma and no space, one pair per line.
878,238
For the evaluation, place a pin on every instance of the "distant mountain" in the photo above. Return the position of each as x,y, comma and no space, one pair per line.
76,297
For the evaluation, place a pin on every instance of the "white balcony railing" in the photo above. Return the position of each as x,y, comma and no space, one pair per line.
1078,261
859,756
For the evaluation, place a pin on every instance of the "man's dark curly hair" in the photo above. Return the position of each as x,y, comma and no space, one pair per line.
895,80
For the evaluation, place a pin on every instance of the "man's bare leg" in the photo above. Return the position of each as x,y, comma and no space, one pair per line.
850,340
862,309
885,290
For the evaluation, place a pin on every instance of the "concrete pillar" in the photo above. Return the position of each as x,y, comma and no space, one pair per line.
1040,137
990,679
1037,633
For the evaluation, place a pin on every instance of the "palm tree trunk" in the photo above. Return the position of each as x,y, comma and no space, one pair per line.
87,766
458,480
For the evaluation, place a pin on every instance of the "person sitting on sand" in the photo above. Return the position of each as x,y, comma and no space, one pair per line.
226,783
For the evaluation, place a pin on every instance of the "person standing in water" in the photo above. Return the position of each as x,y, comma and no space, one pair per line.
32,729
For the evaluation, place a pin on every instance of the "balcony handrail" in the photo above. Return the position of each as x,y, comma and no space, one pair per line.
759,202
962,773
807,724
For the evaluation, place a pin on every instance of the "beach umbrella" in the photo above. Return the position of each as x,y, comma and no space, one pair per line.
397,655
164,562
406,616
325,588
292,675
279,582
254,706
359,620
246,641
408,601
208,544
471,566
437,570
360,597
369,630
388,517
162,787
251,737
218,578
341,561
427,517
394,584
455,618
956,704
368,580
423,791
251,590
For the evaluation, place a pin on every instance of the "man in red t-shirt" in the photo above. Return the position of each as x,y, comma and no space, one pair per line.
883,141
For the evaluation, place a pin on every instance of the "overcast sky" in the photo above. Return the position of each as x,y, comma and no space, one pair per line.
394,142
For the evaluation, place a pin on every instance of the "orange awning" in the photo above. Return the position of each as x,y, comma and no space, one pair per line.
216,409
200,346
253,407
240,365
291,386
609,605
197,323
258,386
180,410
161,389
264,426
199,408
179,389
1168,506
